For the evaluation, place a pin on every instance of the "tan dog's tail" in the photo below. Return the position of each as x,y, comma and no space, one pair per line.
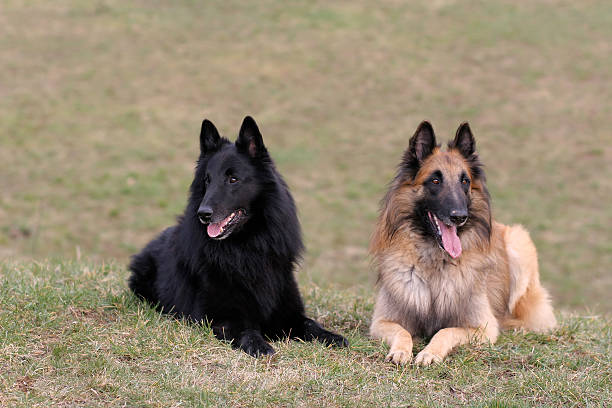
529,302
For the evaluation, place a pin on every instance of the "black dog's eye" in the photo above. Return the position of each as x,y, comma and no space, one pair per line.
436,181
233,180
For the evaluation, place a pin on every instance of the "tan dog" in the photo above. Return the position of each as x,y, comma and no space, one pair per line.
445,269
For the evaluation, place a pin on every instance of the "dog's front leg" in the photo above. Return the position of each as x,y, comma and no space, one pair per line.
314,331
243,336
252,342
398,338
447,339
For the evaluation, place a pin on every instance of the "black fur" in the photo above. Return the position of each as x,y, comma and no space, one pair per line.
465,143
242,282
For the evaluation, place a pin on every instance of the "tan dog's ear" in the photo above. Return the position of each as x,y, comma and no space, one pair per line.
423,141
421,146
464,141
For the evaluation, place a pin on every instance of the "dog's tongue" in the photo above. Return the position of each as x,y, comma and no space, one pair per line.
214,229
450,240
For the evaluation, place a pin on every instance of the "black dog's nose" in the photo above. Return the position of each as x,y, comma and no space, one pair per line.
458,217
204,214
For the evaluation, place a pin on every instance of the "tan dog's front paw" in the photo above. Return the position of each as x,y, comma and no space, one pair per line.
425,358
399,356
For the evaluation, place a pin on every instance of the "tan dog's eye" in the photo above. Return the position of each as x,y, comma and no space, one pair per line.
436,181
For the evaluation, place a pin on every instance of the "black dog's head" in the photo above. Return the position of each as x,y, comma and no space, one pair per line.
226,184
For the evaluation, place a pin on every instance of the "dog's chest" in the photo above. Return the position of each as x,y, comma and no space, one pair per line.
431,298
413,291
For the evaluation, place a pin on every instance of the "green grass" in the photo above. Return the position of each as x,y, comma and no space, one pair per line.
102,102
99,119
72,335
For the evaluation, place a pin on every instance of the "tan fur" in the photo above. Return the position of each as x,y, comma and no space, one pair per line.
494,284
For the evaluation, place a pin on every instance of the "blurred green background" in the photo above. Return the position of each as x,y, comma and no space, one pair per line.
101,103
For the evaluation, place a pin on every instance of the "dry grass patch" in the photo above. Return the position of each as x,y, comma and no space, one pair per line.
72,335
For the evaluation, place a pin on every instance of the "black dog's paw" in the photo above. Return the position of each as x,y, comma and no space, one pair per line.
257,348
313,330
332,339
253,344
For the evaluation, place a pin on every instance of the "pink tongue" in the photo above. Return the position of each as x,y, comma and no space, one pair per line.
214,229
450,240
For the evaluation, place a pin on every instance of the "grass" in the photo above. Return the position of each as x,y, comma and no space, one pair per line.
102,102
99,118
72,335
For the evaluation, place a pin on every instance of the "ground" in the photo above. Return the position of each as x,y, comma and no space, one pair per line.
100,108
73,336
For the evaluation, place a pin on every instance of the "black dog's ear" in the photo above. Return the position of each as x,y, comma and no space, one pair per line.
421,145
209,136
249,139
464,141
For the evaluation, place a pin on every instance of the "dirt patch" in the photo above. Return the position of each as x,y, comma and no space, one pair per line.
25,384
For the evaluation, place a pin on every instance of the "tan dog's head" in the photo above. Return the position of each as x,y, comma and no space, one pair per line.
441,195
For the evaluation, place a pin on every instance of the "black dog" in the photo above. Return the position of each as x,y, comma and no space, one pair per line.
230,258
